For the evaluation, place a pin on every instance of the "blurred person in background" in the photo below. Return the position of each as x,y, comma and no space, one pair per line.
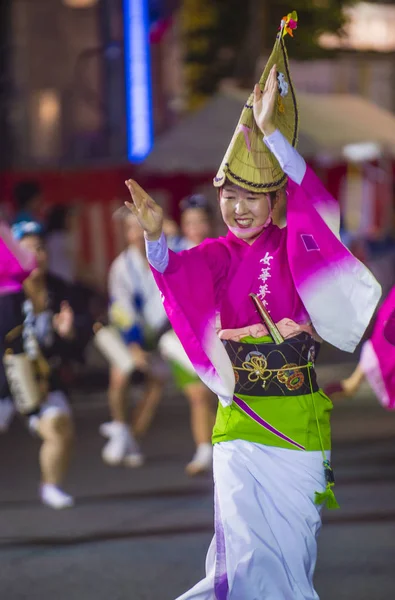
171,229
61,336
60,242
136,310
63,261
28,201
196,218
196,226
16,264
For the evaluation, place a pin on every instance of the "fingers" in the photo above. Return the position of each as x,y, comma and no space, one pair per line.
257,93
272,78
272,88
130,206
135,192
138,189
153,205
140,198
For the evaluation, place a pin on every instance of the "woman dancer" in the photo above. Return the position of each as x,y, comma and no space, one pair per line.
272,434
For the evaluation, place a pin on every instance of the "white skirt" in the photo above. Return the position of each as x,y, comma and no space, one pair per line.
266,524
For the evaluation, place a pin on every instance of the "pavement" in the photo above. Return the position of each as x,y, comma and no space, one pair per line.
142,534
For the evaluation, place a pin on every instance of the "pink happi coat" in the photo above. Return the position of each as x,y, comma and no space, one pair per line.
16,263
301,272
378,356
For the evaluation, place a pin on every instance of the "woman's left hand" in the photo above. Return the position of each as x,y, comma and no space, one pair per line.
264,103
63,322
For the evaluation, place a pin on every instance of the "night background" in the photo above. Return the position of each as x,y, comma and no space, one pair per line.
93,92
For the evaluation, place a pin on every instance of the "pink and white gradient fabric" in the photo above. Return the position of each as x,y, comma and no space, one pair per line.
378,356
338,291
301,272
16,263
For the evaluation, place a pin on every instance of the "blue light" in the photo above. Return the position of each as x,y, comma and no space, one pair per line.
139,118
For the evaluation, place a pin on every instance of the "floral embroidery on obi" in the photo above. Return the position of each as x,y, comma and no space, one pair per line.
264,276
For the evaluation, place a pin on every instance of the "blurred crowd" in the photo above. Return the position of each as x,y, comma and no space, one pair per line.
59,316
49,322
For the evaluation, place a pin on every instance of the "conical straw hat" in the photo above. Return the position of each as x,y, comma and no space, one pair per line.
248,163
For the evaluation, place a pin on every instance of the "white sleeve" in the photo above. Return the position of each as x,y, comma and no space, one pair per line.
158,253
291,162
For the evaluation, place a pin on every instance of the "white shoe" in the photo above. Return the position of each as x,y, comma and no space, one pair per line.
54,497
106,429
121,447
202,460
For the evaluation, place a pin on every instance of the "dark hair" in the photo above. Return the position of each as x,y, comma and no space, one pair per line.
196,201
56,220
25,192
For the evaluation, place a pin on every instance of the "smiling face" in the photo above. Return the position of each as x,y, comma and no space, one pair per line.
245,213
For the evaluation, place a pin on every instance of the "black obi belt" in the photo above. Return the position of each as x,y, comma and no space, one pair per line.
285,369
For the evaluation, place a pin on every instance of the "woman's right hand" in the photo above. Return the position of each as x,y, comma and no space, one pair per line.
144,208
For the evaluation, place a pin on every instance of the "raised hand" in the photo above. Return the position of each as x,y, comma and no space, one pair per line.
264,103
144,208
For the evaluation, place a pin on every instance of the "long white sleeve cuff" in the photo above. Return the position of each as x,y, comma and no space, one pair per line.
291,162
158,253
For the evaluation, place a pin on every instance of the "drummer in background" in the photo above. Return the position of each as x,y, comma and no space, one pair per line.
61,335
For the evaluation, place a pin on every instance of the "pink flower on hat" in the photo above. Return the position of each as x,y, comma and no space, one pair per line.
289,23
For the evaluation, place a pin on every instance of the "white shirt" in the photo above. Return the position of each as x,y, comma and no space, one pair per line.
130,275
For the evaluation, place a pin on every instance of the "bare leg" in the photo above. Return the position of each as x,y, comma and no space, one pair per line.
57,435
201,405
146,410
121,447
117,395
202,421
